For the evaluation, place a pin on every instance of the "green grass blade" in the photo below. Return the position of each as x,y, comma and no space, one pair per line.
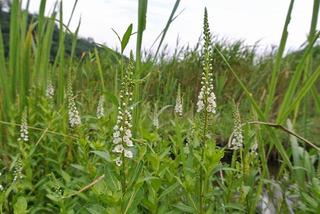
59,61
14,44
171,17
142,16
294,83
277,63
4,87
46,45
314,20
41,18
25,68
72,13
142,19
316,98
74,42
303,91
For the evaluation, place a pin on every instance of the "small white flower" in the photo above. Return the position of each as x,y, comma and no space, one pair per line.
118,161
129,143
50,90
254,148
24,134
128,133
116,140
1,188
116,134
125,138
100,108
200,106
118,149
212,103
128,154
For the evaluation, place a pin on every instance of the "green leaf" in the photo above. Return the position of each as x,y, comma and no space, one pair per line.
311,201
66,176
20,207
135,175
103,155
126,37
96,209
234,207
170,20
79,167
169,189
185,208
133,200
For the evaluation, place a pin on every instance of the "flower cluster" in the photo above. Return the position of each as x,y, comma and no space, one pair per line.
49,90
73,113
24,134
178,107
254,148
18,171
100,108
206,98
122,135
155,120
237,138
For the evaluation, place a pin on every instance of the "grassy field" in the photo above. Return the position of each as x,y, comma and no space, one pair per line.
217,128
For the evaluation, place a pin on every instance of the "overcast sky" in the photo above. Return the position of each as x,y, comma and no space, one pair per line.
249,20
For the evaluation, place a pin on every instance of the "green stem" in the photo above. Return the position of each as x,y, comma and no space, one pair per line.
201,192
241,161
123,180
201,184
123,177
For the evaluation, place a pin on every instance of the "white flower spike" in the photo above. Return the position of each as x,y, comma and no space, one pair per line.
24,133
122,135
73,113
100,108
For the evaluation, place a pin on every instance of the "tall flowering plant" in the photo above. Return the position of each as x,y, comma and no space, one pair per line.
206,105
122,135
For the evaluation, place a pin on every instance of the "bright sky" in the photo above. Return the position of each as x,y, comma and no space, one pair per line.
249,20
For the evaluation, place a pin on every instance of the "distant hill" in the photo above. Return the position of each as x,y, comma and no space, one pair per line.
83,44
